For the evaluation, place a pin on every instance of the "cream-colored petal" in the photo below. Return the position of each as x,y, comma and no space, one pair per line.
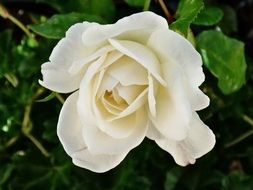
199,141
140,54
106,83
125,67
97,162
171,117
197,98
172,48
79,64
134,23
131,92
69,127
89,86
99,142
111,58
93,112
153,133
57,78
69,49
76,31
151,96
117,128
135,105
69,131
113,108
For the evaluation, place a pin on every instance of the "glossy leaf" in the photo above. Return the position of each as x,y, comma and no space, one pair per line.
57,25
186,13
224,57
209,16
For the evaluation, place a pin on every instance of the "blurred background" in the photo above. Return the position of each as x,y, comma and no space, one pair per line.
31,156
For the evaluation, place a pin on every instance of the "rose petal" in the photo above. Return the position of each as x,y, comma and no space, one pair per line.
55,73
147,22
141,54
88,106
172,117
79,64
58,79
99,142
197,98
69,127
199,141
111,107
135,105
69,131
125,67
107,82
131,92
151,96
173,49
97,163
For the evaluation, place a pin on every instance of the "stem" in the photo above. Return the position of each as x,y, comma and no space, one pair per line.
5,14
38,144
248,120
243,136
146,5
239,139
166,11
12,79
27,124
59,97
12,141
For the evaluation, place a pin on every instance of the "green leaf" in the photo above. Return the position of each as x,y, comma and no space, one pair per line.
224,57
102,8
209,16
229,22
57,25
186,13
135,3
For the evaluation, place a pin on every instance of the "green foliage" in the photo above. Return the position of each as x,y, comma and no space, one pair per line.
186,13
5,46
209,16
229,22
101,8
56,26
31,156
224,57
136,3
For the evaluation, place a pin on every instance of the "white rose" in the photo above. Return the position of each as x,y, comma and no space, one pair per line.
131,79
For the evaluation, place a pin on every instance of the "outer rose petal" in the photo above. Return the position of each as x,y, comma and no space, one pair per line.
69,131
172,48
179,58
97,163
145,21
172,116
99,142
56,76
199,141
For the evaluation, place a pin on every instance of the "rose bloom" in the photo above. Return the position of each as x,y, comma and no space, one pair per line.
129,80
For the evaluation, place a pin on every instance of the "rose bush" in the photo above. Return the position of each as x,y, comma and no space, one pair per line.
128,80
